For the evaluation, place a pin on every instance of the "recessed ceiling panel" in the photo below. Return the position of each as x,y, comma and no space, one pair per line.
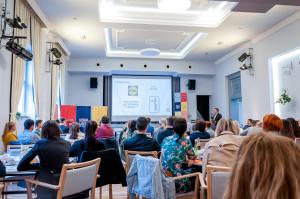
201,13
133,42
136,39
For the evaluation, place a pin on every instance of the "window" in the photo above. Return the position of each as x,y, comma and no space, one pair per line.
26,105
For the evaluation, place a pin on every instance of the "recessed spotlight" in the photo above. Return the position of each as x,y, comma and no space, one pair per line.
121,65
98,64
190,66
145,66
168,66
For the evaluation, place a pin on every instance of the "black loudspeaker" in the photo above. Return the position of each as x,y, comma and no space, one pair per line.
93,82
192,84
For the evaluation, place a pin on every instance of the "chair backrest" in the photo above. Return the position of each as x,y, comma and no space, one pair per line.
78,177
200,143
217,181
297,141
129,156
110,143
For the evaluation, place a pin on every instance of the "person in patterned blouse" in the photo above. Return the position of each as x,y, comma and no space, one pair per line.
175,149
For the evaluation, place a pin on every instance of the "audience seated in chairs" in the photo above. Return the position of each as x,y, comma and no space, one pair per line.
89,143
209,130
128,132
104,130
168,131
9,134
221,150
199,132
63,126
266,167
174,151
74,133
141,142
150,128
162,126
53,153
38,127
27,136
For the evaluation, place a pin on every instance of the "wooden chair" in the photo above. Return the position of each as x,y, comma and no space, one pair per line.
217,180
129,155
74,178
200,143
193,194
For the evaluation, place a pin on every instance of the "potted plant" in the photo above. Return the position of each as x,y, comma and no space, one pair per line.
284,98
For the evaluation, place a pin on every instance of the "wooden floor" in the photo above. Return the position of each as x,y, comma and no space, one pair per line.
119,192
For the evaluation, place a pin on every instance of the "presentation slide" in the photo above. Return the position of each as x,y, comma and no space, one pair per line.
134,96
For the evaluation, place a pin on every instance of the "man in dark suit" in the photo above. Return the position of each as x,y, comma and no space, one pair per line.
167,132
215,117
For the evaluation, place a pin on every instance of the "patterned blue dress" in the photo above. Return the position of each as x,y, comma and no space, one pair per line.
175,150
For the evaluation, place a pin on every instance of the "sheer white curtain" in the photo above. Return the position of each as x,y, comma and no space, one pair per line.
36,36
19,64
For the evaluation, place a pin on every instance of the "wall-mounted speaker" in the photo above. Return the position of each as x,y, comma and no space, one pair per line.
191,84
93,82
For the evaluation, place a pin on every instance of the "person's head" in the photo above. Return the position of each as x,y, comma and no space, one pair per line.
131,125
249,122
199,126
170,121
224,125
39,124
50,130
74,130
57,121
236,127
266,167
29,124
141,124
179,126
296,128
215,110
9,127
287,129
104,120
163,123
62,121
258,124
90,130
272,123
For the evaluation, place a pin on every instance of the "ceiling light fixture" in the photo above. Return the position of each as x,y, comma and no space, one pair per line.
150,52
174,5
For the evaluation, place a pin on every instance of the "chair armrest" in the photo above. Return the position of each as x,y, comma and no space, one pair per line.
186,176
202,182
42,184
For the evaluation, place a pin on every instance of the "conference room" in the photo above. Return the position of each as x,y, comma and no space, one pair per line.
152,99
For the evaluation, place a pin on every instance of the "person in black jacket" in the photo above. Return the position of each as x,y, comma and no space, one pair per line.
53,153
199,132
89,143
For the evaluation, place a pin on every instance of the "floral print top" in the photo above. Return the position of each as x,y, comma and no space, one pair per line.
174,153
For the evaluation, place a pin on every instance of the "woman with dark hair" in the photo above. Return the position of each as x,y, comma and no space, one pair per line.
53,153
296,127
175,149
74,133
89,143
287,130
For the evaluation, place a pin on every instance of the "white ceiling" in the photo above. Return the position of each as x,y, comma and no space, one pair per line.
75,19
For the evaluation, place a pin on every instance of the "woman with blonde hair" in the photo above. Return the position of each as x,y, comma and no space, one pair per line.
221,150
9,134
266,167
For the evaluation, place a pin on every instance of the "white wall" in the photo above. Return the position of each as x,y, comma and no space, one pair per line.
204,86
79,91
255,89
80,70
